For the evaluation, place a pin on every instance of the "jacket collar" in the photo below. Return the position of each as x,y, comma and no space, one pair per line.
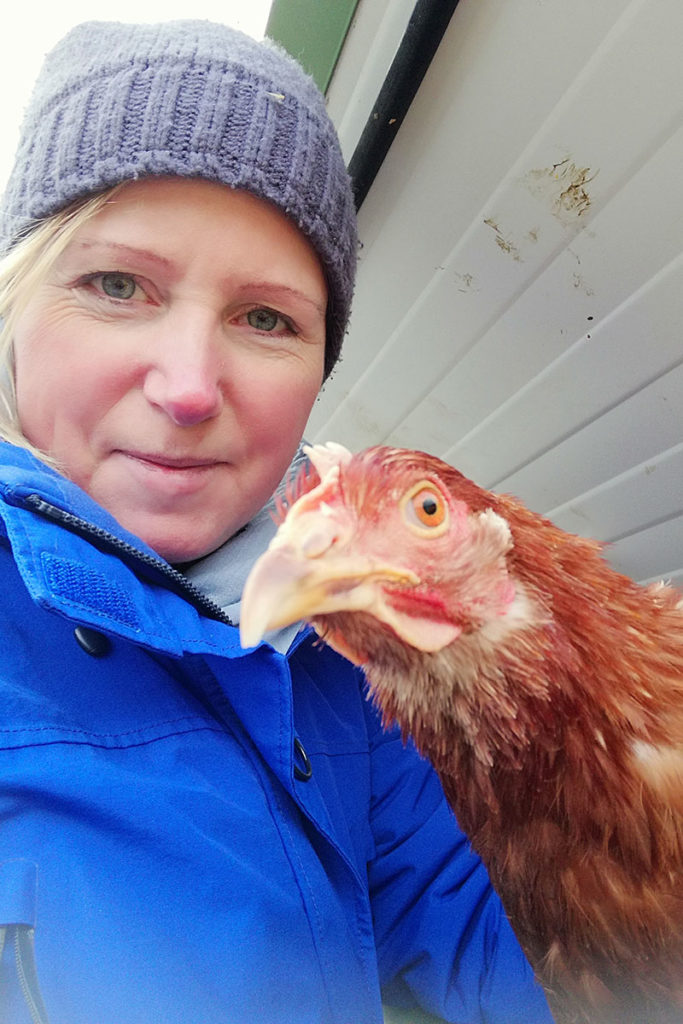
76,559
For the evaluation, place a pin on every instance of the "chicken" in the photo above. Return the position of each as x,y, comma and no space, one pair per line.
545,688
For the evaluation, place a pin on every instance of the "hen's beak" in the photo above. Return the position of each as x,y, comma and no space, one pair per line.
306,572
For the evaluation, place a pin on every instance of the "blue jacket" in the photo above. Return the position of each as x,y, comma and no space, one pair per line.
202,834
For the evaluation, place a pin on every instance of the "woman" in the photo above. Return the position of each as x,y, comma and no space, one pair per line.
191,831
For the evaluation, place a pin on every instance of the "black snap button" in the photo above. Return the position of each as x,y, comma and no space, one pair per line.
92,642
303,768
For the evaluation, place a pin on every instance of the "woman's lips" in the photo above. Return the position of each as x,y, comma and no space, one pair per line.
172,462
179,475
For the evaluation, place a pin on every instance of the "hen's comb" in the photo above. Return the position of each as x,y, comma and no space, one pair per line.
326,457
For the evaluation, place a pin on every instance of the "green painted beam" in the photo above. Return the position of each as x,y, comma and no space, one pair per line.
313,31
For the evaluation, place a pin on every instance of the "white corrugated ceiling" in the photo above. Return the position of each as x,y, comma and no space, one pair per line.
519,306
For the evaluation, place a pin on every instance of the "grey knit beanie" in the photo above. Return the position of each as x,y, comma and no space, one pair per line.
115,102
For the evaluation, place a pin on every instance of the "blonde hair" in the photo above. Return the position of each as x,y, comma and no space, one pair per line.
22,271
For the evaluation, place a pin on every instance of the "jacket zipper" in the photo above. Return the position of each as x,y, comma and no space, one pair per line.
26,972
21,937
104,539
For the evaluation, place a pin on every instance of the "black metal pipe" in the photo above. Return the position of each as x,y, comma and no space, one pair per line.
421,39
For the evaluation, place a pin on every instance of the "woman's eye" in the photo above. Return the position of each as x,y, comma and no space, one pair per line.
266,320
118,286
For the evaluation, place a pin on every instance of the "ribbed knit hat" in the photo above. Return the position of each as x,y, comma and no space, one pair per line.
116,102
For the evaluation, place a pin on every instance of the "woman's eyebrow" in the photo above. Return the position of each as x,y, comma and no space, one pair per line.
283,292
128,251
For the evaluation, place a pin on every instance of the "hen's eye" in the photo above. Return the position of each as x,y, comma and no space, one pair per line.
118,286
262,319
424,507
429,508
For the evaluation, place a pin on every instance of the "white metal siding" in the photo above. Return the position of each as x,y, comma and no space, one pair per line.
519,307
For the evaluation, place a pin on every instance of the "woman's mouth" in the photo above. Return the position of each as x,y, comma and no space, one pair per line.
172,474
171,462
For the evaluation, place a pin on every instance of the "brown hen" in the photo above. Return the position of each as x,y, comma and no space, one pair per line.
546,689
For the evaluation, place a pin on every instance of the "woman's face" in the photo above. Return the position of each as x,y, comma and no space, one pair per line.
171,359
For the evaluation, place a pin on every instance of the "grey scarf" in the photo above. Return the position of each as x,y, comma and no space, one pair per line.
221,575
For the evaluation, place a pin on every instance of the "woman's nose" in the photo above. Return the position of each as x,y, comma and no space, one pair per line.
185,382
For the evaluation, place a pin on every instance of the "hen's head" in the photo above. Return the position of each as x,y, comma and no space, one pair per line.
398,538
